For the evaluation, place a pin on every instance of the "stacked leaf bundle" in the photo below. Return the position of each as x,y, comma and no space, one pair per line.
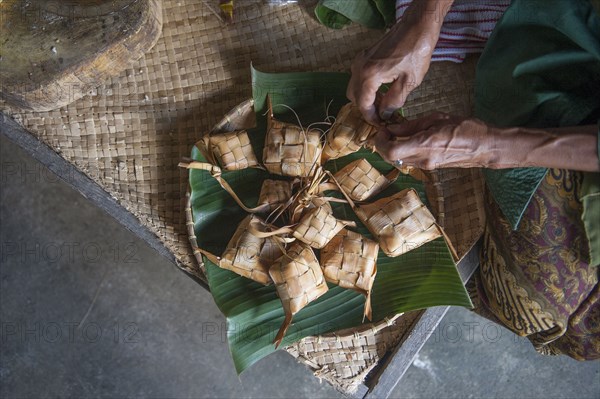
292,238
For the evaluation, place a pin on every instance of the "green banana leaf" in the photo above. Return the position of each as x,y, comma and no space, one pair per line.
374,14
424,277
364,12
331,19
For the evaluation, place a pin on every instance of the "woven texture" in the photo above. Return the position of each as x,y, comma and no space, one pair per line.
360,180
231,150
346,357
401,222
290,151
299,281
350,261
347,134
274,193
298,278
456,198
318,226
244,254
131,132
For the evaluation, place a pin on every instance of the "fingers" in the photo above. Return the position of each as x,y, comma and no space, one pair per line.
394,98
407,128
363,94
411,127
386,146
406,149
362,88
370,114
350,89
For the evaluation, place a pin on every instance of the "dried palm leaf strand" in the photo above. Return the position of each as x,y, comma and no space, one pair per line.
217,174
290,150
299,280
350,261
348,134
361,180
274,193
307,196
244,254
318,226
231,150
419,174
400,223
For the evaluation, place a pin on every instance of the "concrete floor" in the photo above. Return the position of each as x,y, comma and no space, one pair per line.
87,310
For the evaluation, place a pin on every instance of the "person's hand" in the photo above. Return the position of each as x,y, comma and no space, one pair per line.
436,141
401,57
403,61
443,141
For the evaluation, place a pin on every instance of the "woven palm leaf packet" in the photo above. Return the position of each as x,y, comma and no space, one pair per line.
319,226
311,242
275,193
360,180
299,280
231,150
400,223
244,254
348,134
289,149
350,261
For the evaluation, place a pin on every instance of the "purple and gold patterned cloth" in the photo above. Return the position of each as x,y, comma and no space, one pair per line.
537,281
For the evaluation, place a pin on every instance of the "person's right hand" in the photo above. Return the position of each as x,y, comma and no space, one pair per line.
401,57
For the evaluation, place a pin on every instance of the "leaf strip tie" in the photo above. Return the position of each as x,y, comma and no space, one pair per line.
258,230
216,173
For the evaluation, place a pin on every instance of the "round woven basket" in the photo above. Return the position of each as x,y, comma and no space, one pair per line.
345,357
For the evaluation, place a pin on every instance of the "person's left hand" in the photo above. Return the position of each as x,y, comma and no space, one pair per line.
436,141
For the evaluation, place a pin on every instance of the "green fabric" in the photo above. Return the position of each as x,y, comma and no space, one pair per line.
591,209
387,8
374,14
540,68
590,196
512,190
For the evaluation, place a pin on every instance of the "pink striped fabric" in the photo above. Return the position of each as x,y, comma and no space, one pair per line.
466,28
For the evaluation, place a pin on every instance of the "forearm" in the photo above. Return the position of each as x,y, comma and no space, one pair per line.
442,141
430,12
574,148
429,16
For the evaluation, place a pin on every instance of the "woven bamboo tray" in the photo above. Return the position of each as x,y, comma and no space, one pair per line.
346,357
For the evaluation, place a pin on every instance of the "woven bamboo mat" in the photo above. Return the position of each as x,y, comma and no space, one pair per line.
129,134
